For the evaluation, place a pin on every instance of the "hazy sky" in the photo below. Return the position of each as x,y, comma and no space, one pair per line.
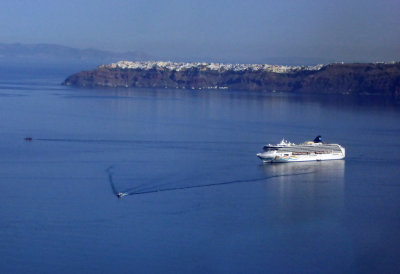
252,30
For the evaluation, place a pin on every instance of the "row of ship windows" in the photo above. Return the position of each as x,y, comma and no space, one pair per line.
304,150
308,153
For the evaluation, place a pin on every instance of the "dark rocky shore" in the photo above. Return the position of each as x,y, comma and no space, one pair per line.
357,78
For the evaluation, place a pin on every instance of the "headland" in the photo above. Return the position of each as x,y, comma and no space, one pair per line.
341,78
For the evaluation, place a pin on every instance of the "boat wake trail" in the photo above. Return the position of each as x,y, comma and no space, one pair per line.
139,189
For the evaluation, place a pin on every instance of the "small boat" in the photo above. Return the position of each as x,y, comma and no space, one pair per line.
121,194
308,151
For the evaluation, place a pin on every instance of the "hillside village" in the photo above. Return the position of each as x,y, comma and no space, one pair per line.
220,67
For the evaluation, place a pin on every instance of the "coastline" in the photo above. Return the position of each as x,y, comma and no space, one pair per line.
337,78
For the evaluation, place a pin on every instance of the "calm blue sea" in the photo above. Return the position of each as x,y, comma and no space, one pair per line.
211,206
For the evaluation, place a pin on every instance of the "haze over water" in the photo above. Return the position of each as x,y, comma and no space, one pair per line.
213,207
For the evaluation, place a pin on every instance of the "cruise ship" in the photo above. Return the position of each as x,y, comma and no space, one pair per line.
308,151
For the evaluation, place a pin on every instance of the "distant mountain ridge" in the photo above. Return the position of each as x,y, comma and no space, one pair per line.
53,52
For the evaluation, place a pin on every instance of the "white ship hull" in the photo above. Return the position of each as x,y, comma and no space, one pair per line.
309,151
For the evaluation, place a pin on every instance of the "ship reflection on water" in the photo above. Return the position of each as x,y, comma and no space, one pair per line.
312,169
306,191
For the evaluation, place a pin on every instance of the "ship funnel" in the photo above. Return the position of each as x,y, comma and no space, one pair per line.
318,139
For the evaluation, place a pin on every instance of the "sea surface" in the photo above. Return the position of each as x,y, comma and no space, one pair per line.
199,200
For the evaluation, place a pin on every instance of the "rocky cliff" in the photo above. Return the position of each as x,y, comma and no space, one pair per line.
371,78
